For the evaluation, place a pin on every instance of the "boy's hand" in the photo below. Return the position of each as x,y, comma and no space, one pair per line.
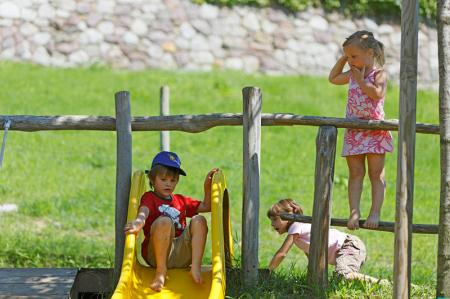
134,227
208,179
205,205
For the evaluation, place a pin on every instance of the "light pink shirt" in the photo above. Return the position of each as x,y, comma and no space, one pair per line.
302,238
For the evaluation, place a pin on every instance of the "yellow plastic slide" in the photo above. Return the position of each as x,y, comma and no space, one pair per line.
135,278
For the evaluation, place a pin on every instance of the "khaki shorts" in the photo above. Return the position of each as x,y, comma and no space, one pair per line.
180,252
351,256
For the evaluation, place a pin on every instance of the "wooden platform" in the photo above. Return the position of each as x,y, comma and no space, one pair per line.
36,283
39,283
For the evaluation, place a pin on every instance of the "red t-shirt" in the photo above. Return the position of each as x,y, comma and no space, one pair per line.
177,209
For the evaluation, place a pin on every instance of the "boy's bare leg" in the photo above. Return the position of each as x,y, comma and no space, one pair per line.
357,170
162,233
376,175
199,231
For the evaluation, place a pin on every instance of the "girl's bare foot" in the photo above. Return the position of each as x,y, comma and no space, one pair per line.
372,220
158,281
353,221
196,274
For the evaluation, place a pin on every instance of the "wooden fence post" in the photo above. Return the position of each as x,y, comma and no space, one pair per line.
123,174
443,260
324,176
251,163
164,96
406,148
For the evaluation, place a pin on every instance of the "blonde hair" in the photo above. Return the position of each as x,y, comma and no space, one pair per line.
366,41
284,206
162,171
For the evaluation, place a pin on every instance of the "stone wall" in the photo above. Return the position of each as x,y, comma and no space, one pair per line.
178,34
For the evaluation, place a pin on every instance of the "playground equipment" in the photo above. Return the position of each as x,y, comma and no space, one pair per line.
252,119
135,278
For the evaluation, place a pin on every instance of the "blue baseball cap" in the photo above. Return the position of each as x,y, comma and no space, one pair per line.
168,159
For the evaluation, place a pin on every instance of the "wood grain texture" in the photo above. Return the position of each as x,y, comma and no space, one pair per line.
406,149
123,174
443,259
324,176
382,225
251,175
164,96
36,282
194,123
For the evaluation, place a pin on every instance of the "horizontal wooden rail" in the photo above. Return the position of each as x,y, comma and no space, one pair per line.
382,225
194,123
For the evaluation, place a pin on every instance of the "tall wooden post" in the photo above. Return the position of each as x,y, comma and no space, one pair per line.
324,177
164,95
406,148
250,210
123,174
443,260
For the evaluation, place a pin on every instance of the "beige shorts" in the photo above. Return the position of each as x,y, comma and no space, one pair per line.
351,256
180,252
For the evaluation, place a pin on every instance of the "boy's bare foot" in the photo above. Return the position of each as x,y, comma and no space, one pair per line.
372,220
158,281
353,221
196,274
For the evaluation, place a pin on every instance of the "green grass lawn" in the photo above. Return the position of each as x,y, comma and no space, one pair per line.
64,181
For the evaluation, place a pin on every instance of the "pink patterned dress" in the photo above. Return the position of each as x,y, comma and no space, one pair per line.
360,106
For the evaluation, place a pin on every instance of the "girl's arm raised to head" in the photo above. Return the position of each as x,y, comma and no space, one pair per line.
282,252
137,224
205,205
375,90
336,75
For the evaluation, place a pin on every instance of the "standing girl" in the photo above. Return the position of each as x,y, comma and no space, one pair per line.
367,82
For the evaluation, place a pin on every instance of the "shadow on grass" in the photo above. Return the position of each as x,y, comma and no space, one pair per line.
293,284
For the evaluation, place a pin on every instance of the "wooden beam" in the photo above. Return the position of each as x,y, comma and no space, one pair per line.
443,259
406,149
164,106
284,119
123,174
194,123
251,167
382,225
324,174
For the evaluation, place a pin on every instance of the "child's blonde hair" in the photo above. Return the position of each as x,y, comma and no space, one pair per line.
162,171
366,40
284,206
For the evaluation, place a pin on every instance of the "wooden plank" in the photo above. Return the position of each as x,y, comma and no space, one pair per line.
36,279
164,96
35,272
35,289
36,282
194,123
251,167
443,260
382,225
406,148
33,297
324,175
123,174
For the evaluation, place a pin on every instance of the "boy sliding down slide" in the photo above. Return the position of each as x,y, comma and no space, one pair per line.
169,242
